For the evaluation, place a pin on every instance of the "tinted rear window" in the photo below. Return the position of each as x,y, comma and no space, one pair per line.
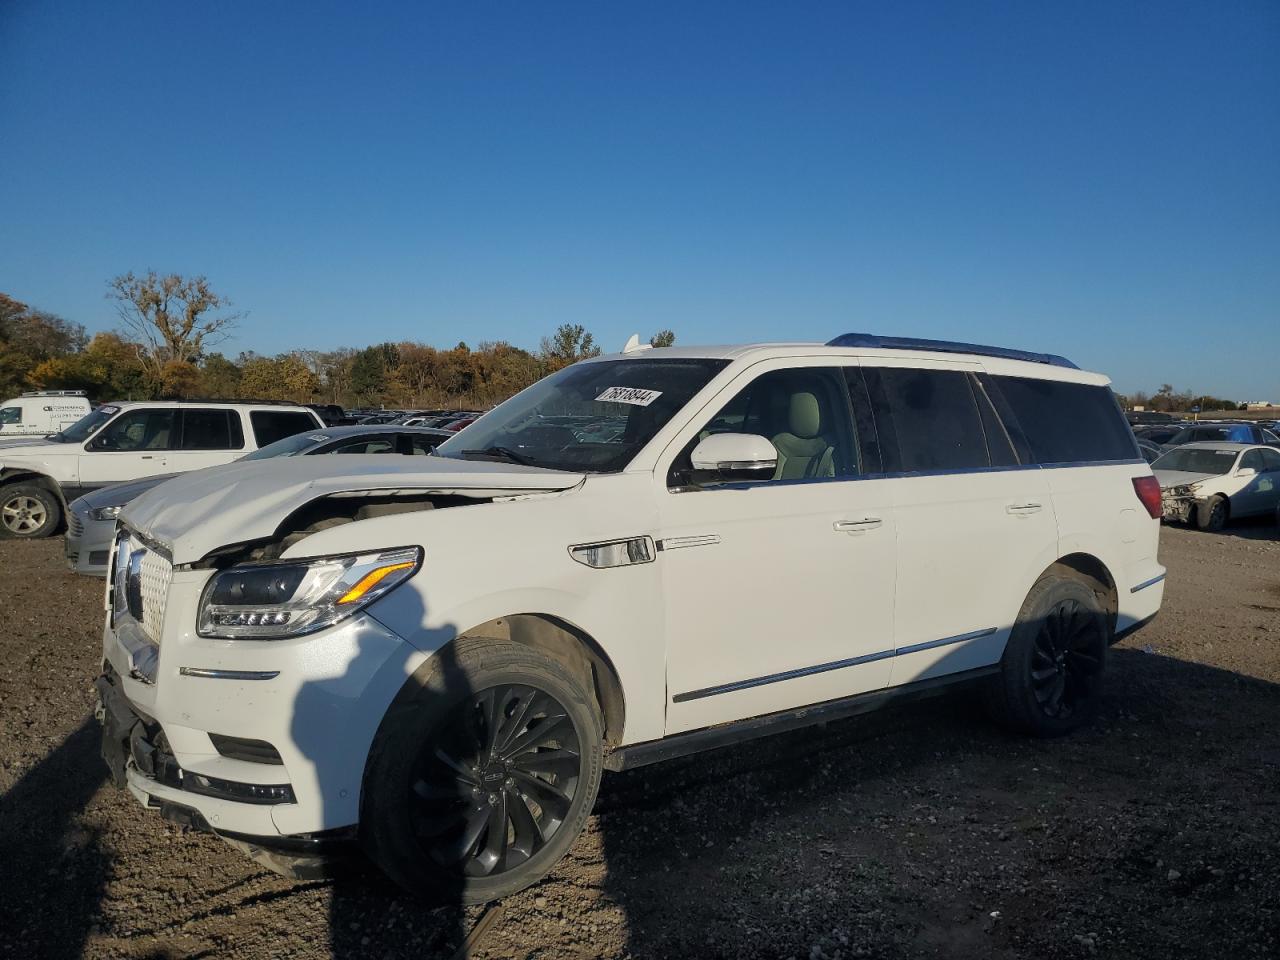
1068,422
927,420
272,425
211,430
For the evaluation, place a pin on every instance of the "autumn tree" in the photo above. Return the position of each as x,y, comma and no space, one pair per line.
174,318
219,377
29,338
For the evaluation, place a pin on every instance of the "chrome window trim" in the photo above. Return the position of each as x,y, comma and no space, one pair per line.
909,474
737,685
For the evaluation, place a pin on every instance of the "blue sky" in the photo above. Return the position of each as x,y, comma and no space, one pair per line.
1100,180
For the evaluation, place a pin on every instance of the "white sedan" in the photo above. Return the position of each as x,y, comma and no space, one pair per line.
1209,483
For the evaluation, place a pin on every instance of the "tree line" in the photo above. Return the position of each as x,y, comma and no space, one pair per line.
170,325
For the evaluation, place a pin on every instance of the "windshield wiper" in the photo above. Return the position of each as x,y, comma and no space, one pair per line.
501,454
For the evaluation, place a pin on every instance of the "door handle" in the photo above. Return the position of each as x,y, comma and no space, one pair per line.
857,526
1023,509
147,456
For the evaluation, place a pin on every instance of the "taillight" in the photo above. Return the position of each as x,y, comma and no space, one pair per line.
1148,491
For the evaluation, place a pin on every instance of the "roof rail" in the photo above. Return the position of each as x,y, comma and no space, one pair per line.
53,393
946,346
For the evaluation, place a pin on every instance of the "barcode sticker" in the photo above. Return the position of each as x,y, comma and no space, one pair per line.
636,396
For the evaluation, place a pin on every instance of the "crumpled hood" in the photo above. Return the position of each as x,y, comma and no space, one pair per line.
198,512
1177,478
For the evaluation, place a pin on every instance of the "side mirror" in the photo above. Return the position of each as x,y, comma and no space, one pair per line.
727,457
1246,472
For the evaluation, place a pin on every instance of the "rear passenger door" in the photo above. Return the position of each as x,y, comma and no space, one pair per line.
208,437
971,526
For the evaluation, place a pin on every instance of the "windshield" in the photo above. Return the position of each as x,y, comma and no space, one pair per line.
590,417
1216,462
288,447
86,426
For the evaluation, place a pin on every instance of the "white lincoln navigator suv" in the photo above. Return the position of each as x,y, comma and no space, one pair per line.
641,556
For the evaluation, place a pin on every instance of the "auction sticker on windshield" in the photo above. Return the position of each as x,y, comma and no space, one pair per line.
636,396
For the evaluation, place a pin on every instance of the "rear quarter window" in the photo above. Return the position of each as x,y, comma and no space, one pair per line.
272,425
1067,422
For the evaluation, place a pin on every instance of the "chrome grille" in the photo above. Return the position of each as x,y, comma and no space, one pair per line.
142,578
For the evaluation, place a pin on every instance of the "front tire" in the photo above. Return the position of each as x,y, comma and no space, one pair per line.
28,511
1212,515
1050,680
483,774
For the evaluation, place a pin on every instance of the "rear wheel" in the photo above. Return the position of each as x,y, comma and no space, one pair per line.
481,778
28,511
1212,514
1051,674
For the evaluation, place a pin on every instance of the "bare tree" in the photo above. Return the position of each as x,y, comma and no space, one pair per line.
174,317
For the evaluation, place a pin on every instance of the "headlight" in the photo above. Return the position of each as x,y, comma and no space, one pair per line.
290,598
106,513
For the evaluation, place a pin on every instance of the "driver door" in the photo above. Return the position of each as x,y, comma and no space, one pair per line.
132,446
778,593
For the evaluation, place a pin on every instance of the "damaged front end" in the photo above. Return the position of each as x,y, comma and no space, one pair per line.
1180,502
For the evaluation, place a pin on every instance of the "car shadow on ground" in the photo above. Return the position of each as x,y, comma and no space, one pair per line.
899,833
921,830
60,865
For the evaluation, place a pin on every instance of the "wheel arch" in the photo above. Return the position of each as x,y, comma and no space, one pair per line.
572,646
559,639
1095,574
12,476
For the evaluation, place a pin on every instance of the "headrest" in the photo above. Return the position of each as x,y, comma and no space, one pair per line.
804,418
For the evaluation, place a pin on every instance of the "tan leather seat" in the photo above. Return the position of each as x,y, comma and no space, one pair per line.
802,449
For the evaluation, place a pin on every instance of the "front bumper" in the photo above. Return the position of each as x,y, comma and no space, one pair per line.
87,545
1180,507
314,703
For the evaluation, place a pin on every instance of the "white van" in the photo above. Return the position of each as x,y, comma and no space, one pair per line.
41,413
641,556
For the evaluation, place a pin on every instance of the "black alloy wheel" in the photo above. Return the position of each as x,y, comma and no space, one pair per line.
1065,658
1051,674
498,780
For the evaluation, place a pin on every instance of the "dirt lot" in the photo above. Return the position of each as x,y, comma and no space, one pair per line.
920,831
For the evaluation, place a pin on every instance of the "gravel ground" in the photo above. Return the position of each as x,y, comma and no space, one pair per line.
919,831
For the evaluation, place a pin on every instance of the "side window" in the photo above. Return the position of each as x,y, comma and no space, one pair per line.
1068,422
365,445
928,420
803,412
211,430
137,430
1254,459
272,425
420,444
11,415
1269,437
1270,459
